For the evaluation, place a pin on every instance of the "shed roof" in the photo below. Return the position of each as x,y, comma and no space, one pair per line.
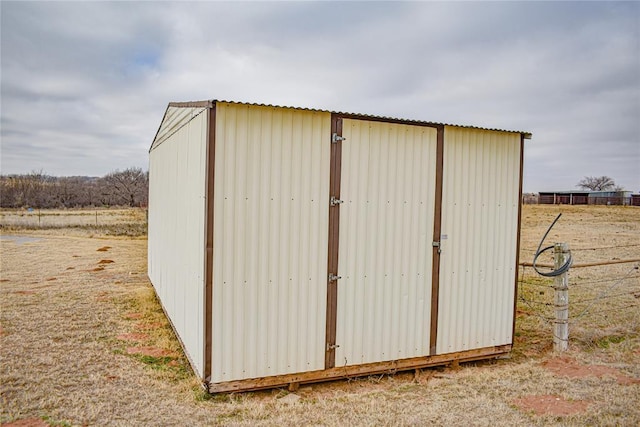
210,103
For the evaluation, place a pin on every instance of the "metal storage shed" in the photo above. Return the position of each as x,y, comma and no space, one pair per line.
292,245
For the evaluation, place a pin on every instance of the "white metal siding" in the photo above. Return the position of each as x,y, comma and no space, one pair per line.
177,179
174,119
479,232
270,241
386,230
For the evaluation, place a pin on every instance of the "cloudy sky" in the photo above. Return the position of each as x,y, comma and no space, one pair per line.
84,85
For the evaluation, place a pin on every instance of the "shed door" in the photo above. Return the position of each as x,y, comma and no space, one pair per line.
480,198
387,185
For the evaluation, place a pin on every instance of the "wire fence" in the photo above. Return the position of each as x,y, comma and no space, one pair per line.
602,298
110,221
61,218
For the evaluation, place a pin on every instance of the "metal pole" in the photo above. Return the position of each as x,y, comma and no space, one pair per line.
561,286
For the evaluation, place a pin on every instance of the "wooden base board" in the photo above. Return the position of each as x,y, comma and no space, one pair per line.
389,367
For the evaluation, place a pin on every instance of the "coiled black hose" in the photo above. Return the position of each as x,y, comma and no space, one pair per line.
564,268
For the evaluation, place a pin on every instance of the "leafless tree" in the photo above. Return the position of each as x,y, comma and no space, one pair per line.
597,183
127,187
35,189
76,191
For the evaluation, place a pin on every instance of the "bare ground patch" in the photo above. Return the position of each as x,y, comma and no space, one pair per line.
64,350
551,405
569,367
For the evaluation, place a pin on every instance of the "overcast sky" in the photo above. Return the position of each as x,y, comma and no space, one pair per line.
85,85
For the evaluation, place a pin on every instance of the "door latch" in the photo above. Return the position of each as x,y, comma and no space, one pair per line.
333,277
437,245
335,201
335,138
332,346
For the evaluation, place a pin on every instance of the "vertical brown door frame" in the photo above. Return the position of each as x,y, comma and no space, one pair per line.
517,266
334,233
437,222
208,227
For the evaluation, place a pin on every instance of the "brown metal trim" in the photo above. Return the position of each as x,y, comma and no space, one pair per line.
334,239
389,367
353,116
197,104
517,268
208,225
437,226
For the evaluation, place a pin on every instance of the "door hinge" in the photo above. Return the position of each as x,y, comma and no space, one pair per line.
335,138
333,277
332,346
334,201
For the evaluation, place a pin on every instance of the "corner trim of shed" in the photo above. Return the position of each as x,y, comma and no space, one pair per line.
208,269
523,136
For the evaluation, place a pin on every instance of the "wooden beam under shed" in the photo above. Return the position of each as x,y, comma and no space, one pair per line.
389,367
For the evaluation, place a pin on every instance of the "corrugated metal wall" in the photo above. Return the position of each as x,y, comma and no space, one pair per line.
270,238
270,241
386,230
174,119
177,179
479,236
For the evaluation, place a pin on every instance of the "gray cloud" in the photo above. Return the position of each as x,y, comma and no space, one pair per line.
84,85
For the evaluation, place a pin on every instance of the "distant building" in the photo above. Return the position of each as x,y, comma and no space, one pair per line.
563,198
586,198
610,198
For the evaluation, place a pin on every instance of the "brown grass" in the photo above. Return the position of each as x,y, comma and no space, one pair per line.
131,222
65,344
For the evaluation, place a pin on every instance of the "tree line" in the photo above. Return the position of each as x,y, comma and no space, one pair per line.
129,187
38,190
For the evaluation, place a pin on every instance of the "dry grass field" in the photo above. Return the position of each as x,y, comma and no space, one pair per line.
84,342
100,221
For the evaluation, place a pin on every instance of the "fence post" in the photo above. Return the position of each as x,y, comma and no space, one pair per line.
561,286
